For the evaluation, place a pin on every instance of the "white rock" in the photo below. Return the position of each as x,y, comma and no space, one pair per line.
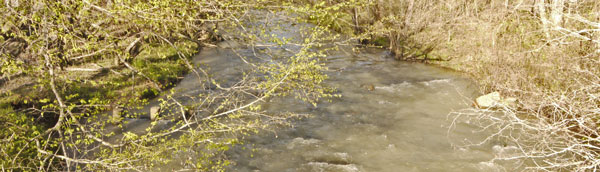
495,100
488,100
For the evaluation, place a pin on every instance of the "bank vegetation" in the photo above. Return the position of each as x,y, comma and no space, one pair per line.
74,74
544,53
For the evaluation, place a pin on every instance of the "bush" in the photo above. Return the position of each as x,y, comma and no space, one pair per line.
17,152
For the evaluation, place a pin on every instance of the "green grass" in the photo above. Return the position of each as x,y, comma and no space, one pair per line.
161,63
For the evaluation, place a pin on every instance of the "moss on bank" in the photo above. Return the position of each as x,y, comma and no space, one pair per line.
23,100
18,127
104,81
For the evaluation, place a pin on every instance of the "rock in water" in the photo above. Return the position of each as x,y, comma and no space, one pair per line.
302,142
494,100
326,167
489,100
369,87
338,158
154,112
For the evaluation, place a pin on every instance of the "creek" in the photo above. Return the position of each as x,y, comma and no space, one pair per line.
391,116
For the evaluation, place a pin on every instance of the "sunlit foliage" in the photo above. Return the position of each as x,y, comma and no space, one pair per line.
75,61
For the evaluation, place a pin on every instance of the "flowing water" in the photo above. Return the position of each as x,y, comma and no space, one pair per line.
392,116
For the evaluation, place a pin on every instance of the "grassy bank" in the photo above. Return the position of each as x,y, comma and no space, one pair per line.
64,64
103,79
25,102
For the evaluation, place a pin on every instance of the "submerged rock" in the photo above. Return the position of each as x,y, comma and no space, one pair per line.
326,167
302,142
338,158
505,151
369,87
490,167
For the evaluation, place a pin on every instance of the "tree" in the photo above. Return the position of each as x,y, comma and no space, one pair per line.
45,39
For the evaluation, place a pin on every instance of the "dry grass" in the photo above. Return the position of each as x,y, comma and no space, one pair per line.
515,48
556,81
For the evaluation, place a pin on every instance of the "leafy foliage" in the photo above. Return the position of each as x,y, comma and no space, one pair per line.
17,150
76,60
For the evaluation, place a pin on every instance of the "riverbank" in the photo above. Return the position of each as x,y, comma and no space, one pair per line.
69,84
104,79
544,54
25,103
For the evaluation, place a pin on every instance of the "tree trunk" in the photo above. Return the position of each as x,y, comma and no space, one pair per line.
556,15
541,9
555,19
